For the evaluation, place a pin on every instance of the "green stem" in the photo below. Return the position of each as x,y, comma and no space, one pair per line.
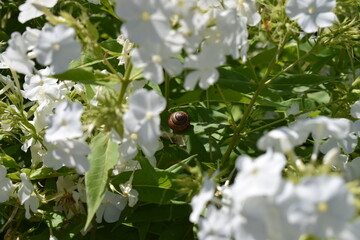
125,83
249,109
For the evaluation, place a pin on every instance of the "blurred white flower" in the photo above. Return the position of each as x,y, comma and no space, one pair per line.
253,176
204,64
323,206
206,4
15,56
322,127
65,123
5,185
245,8
25,196
215,226
57,47
111,207
142,119
145,20
199,201
233,34
355,110
67,153
29,11
311,14
280,140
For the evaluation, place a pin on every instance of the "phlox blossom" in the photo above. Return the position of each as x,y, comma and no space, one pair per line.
57,47
142,120
111,207
311,14
65,123
29,11
25,196
5,185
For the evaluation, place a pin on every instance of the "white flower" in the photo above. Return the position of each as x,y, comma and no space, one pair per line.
233,34
205,64
71,154
199,201
142,119
25,196
57,47
29,11
280,140
311,14
253,176
351,231
111,207
215,226
355,110
153,58
5,185
352,169
206,4
15,56
42,89
130,193
65,123
127,46
323,207
245,8
322,127
145,20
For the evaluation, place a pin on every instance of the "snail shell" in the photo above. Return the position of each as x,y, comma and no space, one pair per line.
179,121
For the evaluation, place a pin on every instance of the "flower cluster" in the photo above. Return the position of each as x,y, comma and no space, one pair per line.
255,208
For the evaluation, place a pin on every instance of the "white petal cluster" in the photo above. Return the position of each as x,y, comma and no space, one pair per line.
142,122
206,30
27,197
32,9
64,146
260,204
5,185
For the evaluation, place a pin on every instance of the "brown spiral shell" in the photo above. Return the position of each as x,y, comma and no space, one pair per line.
179,121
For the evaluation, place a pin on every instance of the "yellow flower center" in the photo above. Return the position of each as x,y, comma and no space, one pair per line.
311,10
322,207
149,115
240,2
156,58
145,16
133,136
56,47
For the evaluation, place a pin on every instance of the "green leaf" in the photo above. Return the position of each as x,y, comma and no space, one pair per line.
86,76
301,79
112,46
104,155
8,161
176,168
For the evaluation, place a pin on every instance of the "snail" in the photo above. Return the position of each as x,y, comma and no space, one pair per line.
179,121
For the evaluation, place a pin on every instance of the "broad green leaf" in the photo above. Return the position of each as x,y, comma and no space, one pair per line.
112,46
104,155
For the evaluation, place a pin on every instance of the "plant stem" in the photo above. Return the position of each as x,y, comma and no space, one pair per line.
125,83
249,109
